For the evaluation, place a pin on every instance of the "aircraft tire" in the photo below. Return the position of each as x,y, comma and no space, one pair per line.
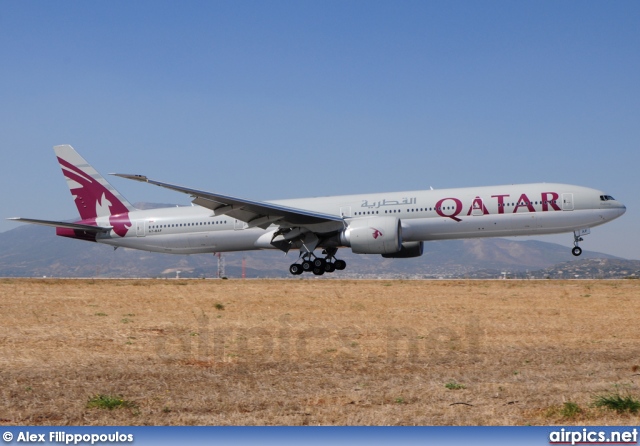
340,264
296,269
317,271
329,267
576,251
307,265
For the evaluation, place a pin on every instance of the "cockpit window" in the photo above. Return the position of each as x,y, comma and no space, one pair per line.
606,198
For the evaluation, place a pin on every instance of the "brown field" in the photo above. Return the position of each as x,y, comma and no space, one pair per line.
298,352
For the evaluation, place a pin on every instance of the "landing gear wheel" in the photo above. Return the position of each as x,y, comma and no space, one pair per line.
319,263
296,269
317,271
307,265
329,267
340,264
576,251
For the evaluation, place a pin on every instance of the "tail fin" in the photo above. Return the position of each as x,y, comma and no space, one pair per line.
93,195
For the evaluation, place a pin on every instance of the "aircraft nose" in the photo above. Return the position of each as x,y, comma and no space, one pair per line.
621,209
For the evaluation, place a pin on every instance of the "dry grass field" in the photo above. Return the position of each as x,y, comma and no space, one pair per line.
298,352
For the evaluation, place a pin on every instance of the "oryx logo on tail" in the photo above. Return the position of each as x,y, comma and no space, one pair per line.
94,196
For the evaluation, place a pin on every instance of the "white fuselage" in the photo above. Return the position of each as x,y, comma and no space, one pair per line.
495,211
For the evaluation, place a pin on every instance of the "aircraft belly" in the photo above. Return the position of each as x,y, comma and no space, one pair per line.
191,243
239,240
134,243
553,223
502,225
201,240
425,229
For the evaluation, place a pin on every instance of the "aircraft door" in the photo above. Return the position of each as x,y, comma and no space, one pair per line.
567,202
238,225
141,228
345,211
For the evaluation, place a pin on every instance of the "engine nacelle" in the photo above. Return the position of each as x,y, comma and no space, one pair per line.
373,235
408,250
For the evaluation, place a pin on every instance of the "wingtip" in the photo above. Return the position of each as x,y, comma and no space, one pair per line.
142,178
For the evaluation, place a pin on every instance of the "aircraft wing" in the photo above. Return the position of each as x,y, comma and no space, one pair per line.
64,224
254,213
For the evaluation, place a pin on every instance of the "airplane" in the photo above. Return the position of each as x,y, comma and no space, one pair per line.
392,224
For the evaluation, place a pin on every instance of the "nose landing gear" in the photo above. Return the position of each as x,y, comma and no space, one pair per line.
577,238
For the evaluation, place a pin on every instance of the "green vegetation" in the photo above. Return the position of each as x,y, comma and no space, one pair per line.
617,402
570,410
452,385
102,401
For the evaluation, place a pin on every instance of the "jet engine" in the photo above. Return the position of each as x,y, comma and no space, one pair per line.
373,235
408,250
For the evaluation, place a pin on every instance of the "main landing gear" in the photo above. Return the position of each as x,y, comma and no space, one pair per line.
318,265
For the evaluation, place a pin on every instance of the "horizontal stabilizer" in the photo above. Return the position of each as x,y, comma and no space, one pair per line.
64,224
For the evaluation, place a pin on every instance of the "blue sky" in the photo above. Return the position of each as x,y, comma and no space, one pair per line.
280,99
